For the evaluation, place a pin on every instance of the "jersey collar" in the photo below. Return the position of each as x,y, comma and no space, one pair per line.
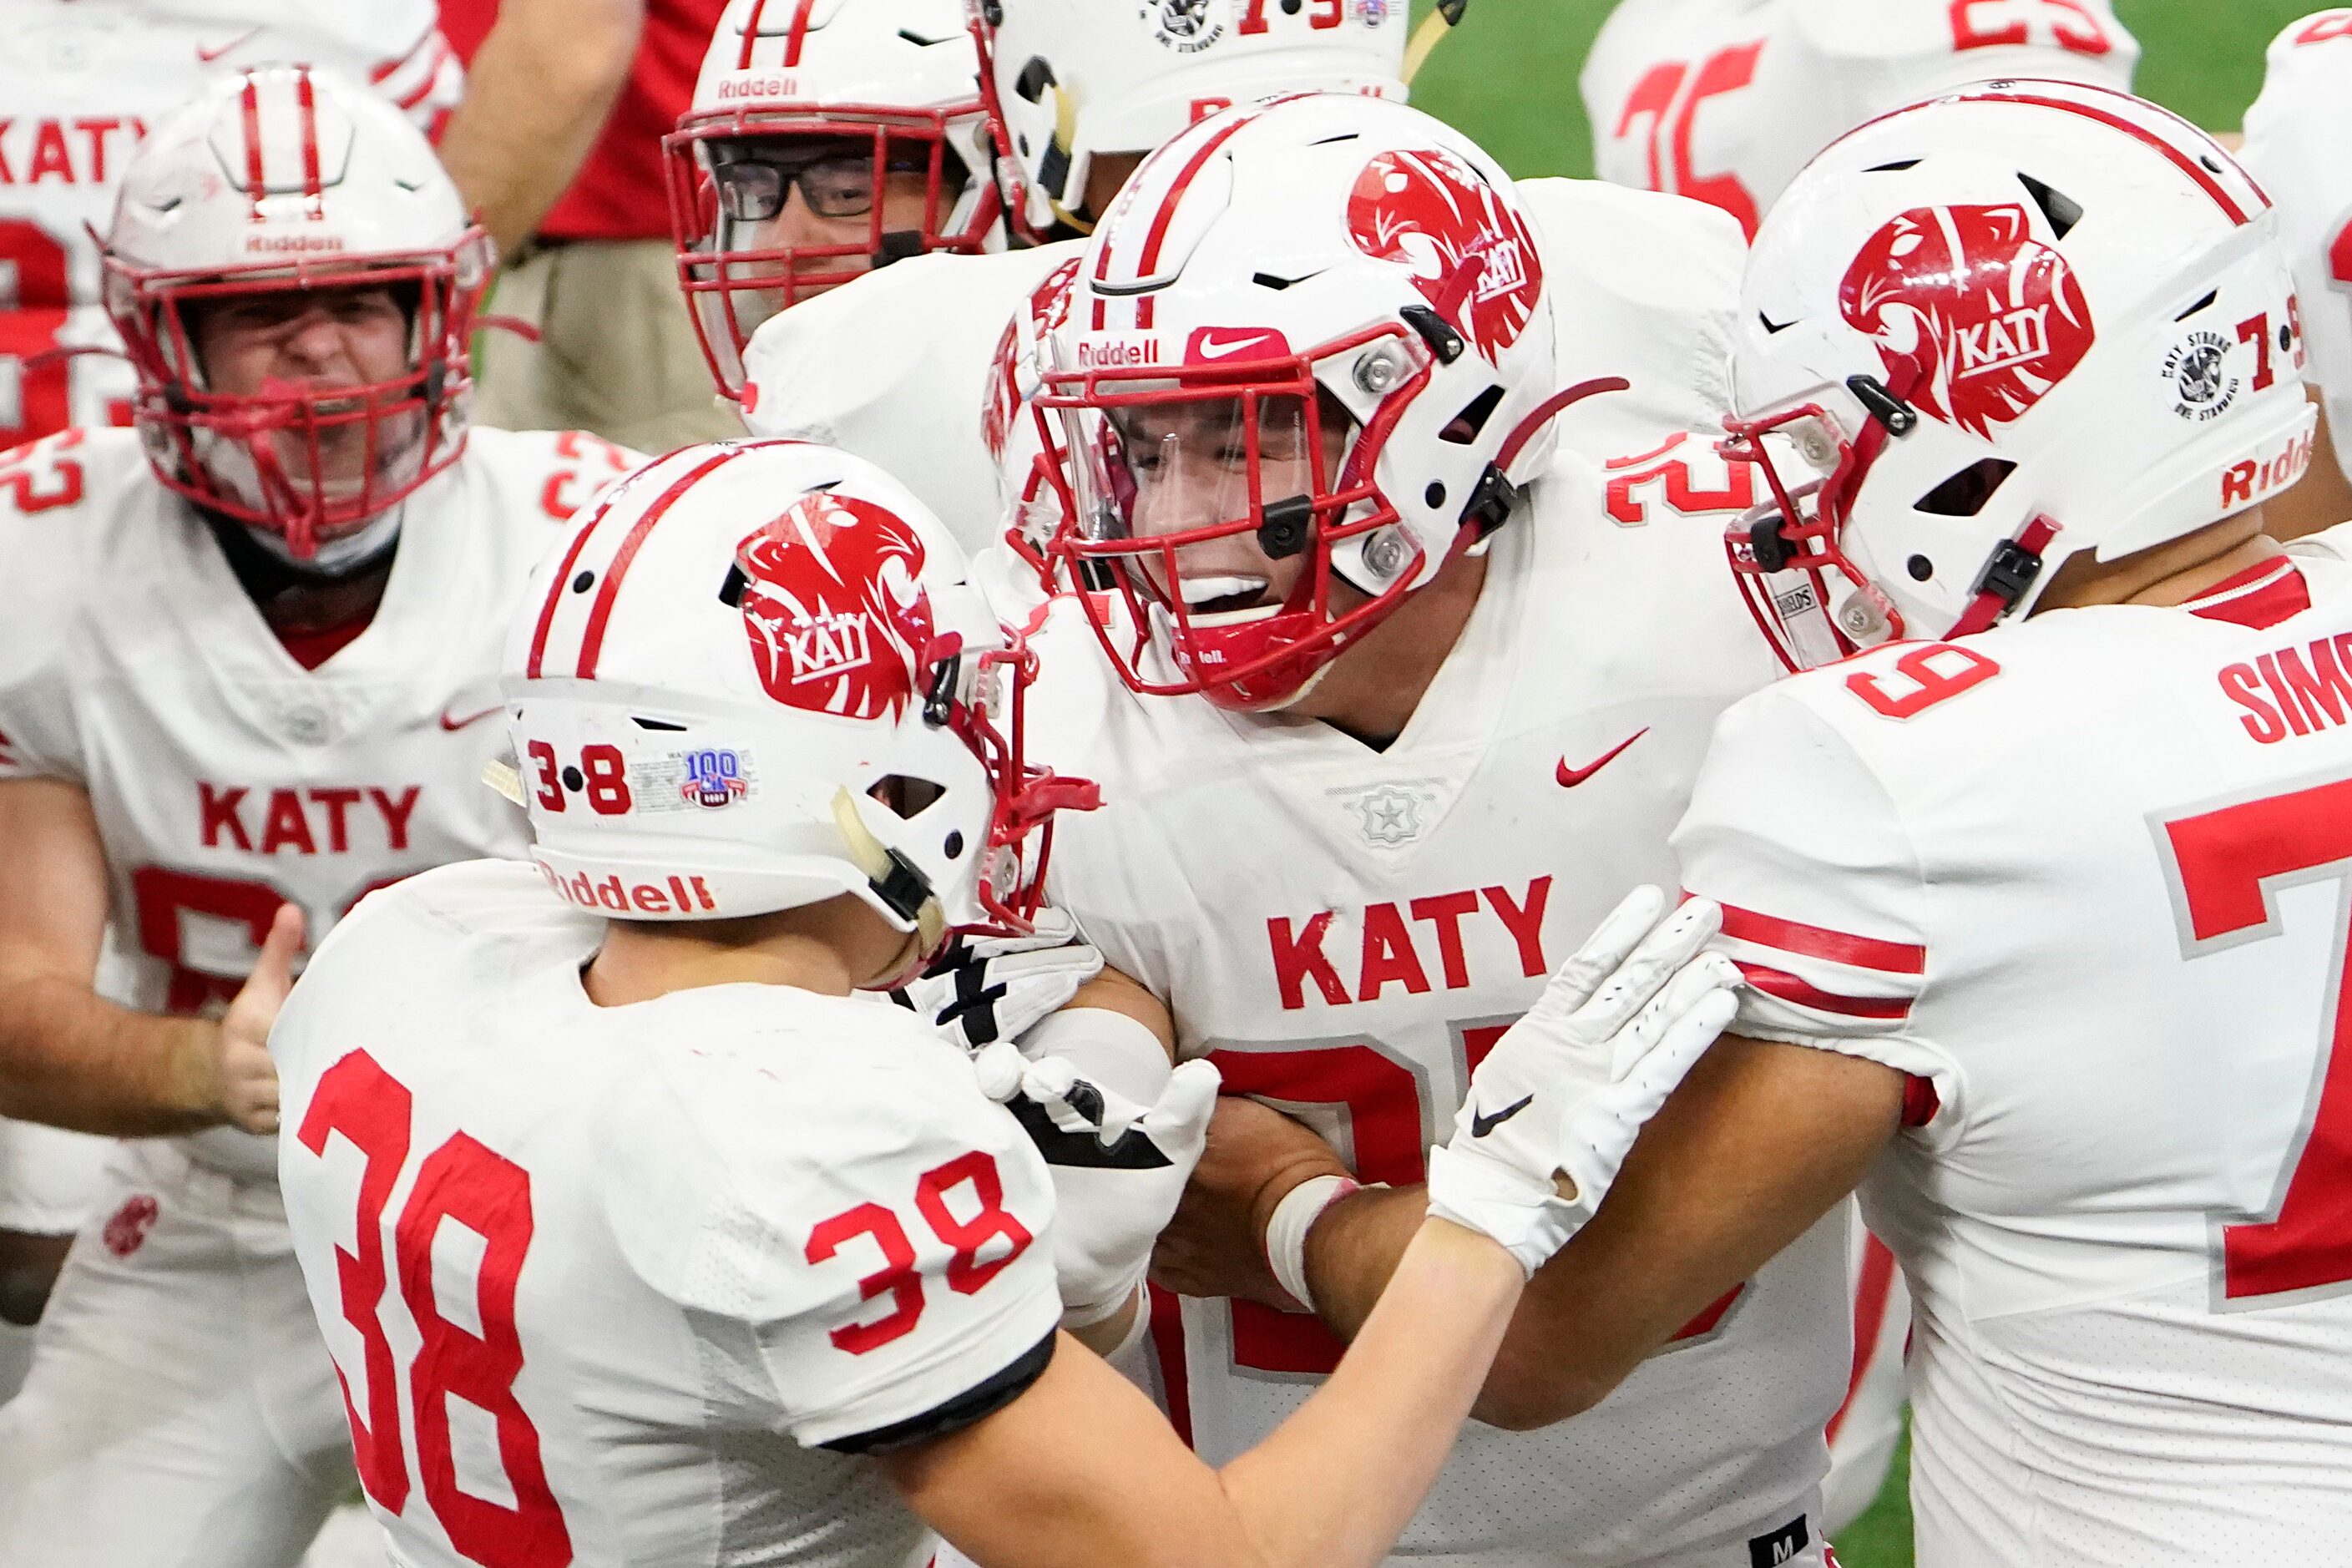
2261,596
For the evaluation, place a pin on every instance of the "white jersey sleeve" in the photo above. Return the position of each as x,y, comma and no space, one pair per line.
45,560
1824,908
1644,287
2295,133
863,1257
895,368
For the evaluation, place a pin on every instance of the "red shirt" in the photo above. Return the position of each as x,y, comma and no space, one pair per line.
619,192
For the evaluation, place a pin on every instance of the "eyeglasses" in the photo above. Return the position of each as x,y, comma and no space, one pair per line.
753,184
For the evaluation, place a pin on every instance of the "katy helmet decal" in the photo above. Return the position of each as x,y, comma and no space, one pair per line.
1469,253
1977,316
834,605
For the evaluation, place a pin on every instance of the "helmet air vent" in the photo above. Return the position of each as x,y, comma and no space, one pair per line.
2063,211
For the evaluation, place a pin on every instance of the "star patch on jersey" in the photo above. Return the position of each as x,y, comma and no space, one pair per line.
1390,815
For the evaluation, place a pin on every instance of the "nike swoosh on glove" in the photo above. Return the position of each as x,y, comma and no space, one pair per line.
998,988
1118,1167
1567,1088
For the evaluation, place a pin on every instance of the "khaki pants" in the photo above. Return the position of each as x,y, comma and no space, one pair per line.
617,354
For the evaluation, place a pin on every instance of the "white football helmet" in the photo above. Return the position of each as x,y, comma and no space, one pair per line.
278,180
1997,330
755,676
1067,79
1016,439
783,78
1313,329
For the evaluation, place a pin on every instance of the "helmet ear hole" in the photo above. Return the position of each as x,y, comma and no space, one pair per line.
1967,492
906,797
1467,426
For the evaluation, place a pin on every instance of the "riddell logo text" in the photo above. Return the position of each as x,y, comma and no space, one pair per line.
2248,482
286,243
759,86
670,896
1391,952
1118,355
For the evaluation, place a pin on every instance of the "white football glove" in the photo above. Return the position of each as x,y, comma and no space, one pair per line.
997,988
1118,1167
1567,1088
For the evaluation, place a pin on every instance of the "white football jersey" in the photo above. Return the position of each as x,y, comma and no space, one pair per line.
2087,876
1724,100
899,366
634,1284
224,776
1347,932
2293,134
83,80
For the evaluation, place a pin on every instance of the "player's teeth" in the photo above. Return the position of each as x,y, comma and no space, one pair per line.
1202,590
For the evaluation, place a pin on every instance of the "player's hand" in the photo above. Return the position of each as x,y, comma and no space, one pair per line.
248,1077
1217,1243
1554,1109
998,988
1118,1167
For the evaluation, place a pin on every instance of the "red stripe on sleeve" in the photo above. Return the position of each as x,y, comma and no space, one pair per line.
1789,988
1819,941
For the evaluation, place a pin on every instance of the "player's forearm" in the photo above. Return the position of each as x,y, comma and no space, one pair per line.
70,1058
537,96
1337,1482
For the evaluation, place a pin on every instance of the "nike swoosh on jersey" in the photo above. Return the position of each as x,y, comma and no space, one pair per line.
207,56
455,724
1570,777
1482,1125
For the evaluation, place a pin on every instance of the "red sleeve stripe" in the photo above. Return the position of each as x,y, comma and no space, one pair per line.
418,93
377,75
1789,988
1819,941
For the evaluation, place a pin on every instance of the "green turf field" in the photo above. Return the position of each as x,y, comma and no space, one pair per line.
1507,76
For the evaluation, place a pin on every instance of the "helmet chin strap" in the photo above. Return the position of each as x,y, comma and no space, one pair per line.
902,889
343,556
